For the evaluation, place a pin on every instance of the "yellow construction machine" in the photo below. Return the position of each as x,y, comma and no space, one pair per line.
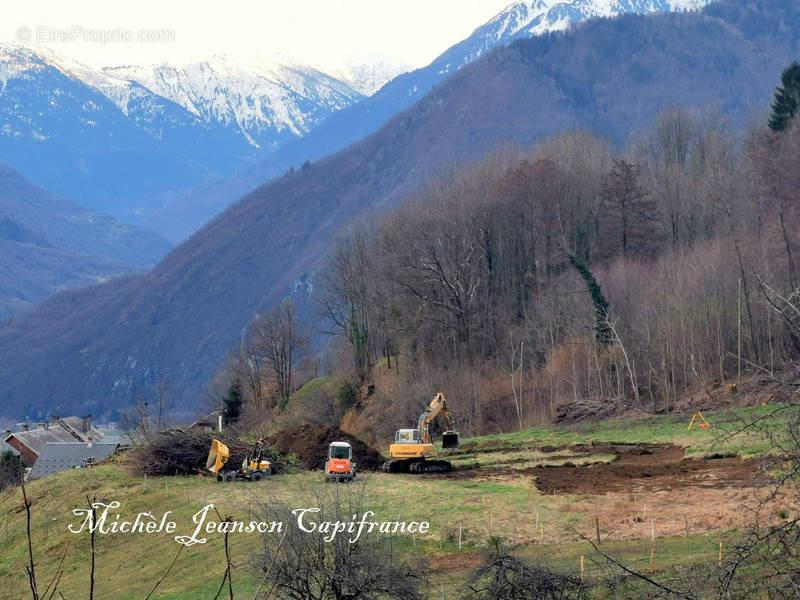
412,449
254,467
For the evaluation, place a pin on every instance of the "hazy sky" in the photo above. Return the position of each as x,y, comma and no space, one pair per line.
323,32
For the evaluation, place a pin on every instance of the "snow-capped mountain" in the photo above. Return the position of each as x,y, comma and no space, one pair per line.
368,78
268,102
129,140
107,144
124,140
537,17
519,20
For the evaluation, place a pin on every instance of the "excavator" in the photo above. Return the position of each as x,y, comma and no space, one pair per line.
254,467
412,449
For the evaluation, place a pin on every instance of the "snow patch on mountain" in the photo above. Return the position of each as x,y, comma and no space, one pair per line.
258,98
266,102
536,17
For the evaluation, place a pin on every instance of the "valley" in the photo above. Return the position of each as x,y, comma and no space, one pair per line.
271,244
523,317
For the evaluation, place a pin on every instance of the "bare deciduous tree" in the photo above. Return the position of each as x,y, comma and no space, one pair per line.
283,341
503,575
304,566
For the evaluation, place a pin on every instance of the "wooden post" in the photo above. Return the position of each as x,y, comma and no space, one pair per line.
414,540
537,518
597,529
720,555
459,536
652,529
686,523
187,496
582,567
652,560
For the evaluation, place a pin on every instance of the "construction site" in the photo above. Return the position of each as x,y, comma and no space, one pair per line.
657,493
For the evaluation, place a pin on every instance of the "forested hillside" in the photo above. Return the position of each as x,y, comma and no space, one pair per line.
577,281
96,349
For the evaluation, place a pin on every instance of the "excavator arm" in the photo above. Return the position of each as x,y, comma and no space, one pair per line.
438,406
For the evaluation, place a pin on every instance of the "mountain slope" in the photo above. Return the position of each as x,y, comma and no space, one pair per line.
126,140
520,20
92,350
48,244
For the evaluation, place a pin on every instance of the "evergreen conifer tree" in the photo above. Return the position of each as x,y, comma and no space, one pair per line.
787,98
232,402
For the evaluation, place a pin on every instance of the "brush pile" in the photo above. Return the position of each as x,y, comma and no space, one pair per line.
578,411
183,452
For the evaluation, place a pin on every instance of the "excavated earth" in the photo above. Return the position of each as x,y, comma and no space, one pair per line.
637,468
309,444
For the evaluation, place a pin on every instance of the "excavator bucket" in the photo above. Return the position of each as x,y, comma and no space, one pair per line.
449,440
217,456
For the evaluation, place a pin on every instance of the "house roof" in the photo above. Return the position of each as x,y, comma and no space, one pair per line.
76,424
62,456
68,429
35,439
210,420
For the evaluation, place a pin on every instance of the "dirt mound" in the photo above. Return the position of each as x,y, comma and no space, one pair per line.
184,452
648,468
637,468
309,444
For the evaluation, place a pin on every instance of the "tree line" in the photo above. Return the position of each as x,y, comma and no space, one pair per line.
570,278
580,273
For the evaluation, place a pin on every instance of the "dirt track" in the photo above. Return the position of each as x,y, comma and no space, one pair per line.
638,468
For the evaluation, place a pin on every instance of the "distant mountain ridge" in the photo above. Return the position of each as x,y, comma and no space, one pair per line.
94,350
520,20
135,141
48,244
125,140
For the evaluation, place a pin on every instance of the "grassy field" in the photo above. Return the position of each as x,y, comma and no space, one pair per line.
724,435
509,505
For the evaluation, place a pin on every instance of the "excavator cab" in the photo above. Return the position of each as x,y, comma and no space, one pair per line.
407,436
